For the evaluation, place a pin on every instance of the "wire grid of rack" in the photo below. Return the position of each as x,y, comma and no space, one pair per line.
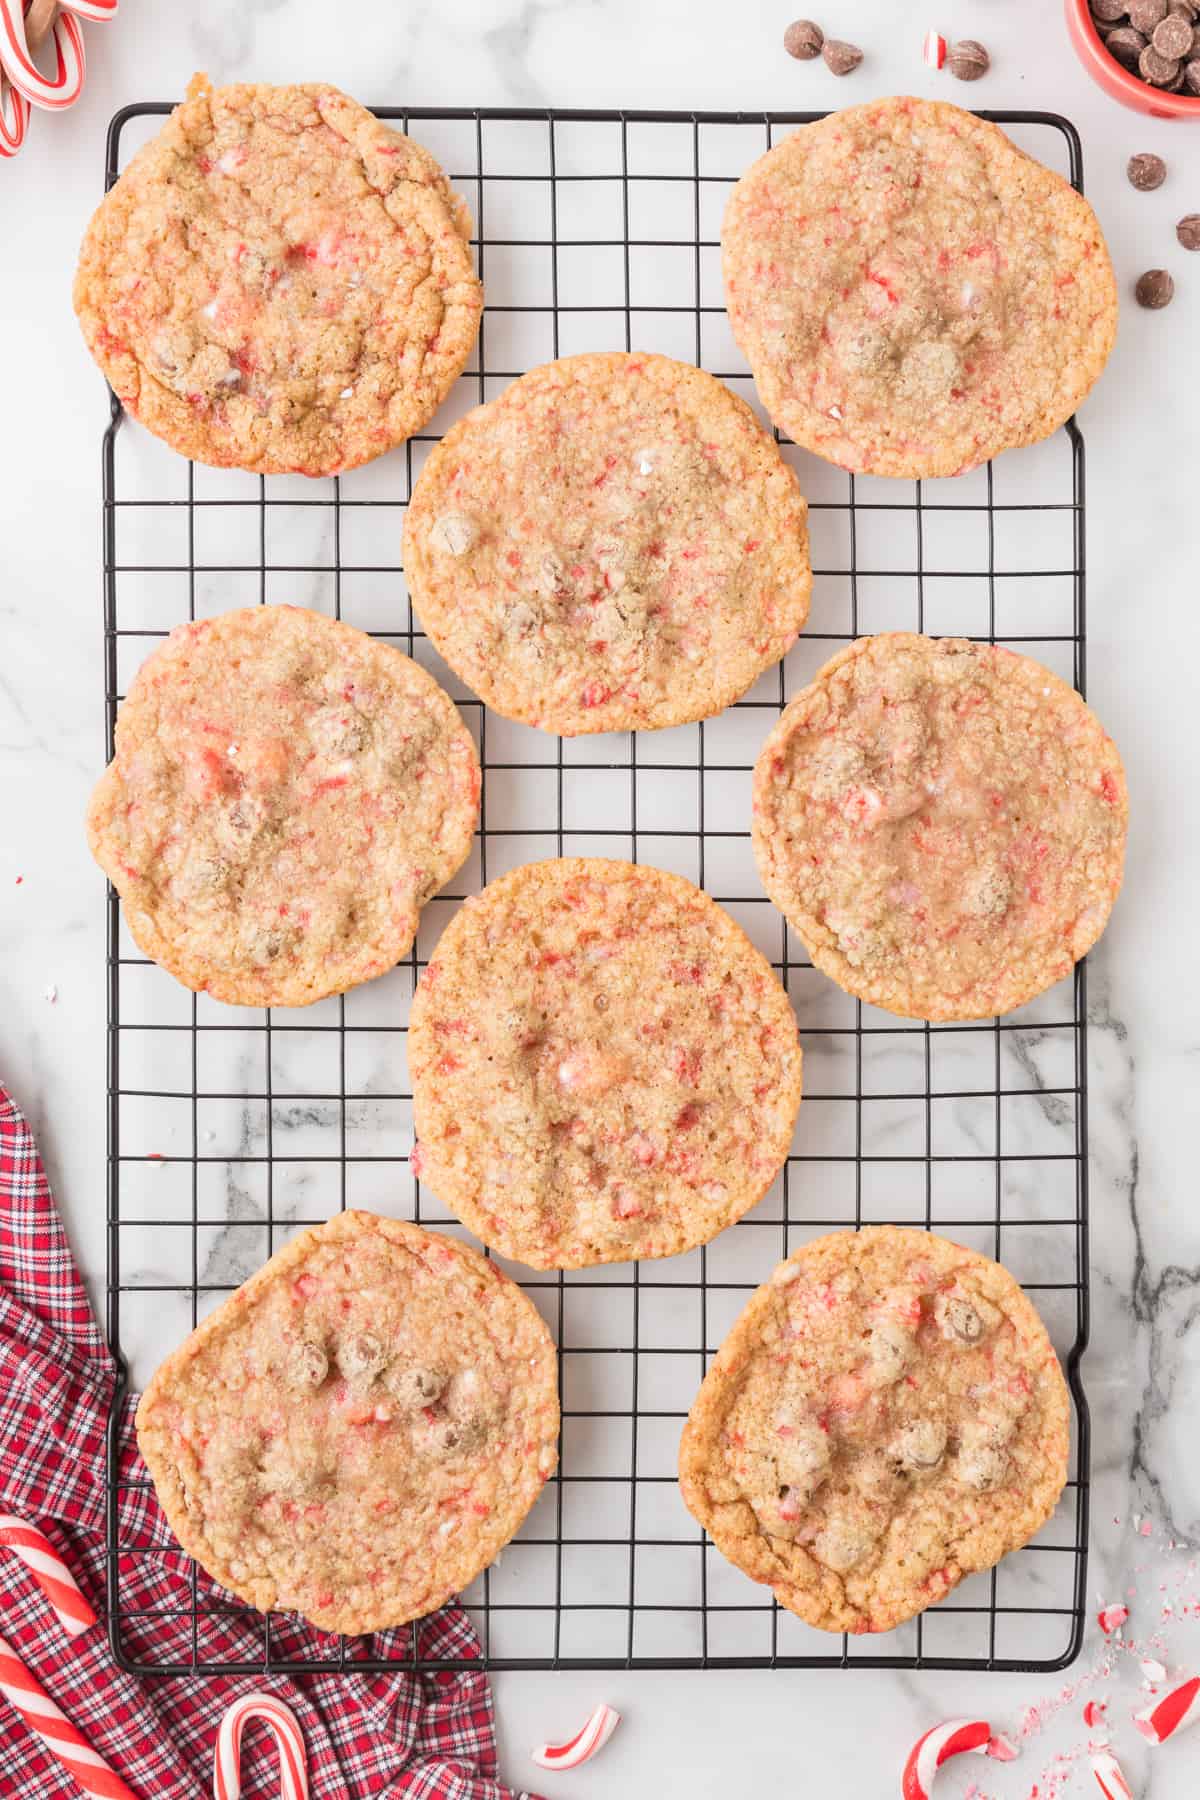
230,1130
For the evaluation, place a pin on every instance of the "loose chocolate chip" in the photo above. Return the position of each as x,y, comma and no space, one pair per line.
1144,15
1146,171
841,58
1188,231
803,39
968,60
1173,38
1159,71
1155,289
1109,11
1126,45
1192,76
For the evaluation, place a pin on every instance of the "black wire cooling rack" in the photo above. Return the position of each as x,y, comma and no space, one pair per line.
229,1129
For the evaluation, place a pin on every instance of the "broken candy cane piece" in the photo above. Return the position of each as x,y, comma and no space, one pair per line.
934,52
1152,1669
1174,1712
583,1746
1111,1618
1093,1713
1107,1771
944,1741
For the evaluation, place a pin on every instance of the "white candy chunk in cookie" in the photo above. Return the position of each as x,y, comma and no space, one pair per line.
307,1364
361,1356
359,1429
886,1417
920,1446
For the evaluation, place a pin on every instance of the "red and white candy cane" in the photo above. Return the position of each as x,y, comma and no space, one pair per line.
1174,1712
285,1727
586,1743
1107,1771
944,1741
30,1699
54,92
934,51
49,1571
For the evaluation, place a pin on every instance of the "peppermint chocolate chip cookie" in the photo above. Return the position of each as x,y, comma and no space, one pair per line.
915,294
943,823
613,544
886,1417
285,796
359,1429
279,282
603,1065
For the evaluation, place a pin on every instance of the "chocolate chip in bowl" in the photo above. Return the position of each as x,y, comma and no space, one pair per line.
1141,52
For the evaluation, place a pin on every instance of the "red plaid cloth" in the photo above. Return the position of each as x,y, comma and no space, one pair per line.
404,1736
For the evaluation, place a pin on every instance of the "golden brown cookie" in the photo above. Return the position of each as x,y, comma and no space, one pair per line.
279,282
614,544
285,796
915,294
603,1065
886,1417
943,823
359,1429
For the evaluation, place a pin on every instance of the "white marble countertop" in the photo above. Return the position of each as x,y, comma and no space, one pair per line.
713,1734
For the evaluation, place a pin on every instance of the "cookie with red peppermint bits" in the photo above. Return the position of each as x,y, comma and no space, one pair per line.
285,796
359,1430
913,293
278,282
603,1065
613,544
886,1417
943,822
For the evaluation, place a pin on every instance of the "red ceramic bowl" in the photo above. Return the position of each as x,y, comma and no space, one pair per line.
1115,79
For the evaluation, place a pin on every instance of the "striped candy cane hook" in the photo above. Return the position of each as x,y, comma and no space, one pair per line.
284,1726
49,1571
51,92
14,116
56,1731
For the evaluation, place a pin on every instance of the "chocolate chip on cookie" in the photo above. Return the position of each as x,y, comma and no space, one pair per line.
803,39
1155,289
1159,71
1146,171
1172,38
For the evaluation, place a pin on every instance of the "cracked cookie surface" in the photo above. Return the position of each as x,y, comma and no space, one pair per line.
943,823
613,544
603,1065
286,794
886,1417
913,293
278,282
359,1429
